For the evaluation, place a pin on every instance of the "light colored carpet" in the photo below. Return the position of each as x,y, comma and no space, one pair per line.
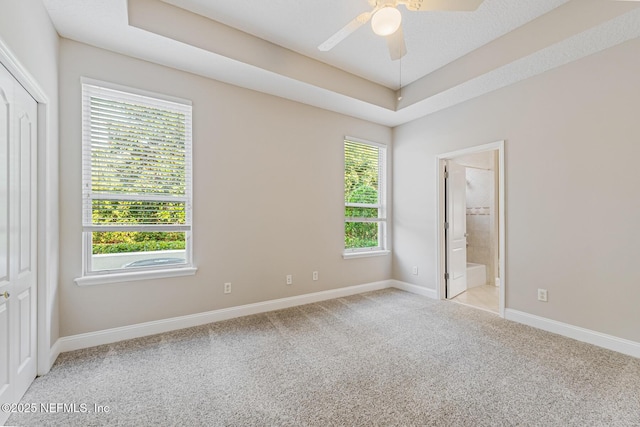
385,358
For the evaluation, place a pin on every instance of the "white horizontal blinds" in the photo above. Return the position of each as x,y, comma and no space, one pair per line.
364,196
136,161
364,182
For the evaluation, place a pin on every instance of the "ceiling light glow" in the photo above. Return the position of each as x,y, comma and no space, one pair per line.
386,21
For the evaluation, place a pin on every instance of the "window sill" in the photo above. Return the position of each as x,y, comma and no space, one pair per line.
102,279
364,254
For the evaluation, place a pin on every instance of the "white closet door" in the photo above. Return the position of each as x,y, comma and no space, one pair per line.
18,136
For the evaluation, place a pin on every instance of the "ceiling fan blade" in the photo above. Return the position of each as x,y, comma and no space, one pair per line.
342,34
397,47
441,5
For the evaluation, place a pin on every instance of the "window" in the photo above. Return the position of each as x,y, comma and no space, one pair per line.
364,196
136,164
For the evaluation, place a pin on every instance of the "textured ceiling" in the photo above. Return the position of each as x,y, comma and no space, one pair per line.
271,46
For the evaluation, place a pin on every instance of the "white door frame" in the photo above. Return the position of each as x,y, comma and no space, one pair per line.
46,236
441,160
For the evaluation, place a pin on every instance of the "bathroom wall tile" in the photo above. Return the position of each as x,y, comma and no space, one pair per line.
480,218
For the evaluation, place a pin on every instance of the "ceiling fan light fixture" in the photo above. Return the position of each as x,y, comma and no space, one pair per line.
386,21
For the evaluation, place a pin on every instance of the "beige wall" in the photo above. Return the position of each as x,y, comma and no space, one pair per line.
268,198
26,30
572,189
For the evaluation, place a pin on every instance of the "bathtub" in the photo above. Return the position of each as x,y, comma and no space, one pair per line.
476,275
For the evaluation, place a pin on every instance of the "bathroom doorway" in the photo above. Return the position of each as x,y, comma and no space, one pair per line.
471,223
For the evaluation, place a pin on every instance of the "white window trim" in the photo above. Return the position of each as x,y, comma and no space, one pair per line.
119,275
362,254
383,245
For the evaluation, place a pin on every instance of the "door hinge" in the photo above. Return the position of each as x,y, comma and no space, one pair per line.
446,174
446,225
446,276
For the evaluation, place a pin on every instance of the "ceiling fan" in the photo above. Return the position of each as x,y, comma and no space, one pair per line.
386,20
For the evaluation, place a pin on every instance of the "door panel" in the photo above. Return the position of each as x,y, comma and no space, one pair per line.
6,369
4,189
456,234
5,374
24,326
24,153
24,316
18,233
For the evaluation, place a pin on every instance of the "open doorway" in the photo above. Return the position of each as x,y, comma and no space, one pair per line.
471,227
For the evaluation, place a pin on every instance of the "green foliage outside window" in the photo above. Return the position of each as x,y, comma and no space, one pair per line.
361,187
142,155
115,242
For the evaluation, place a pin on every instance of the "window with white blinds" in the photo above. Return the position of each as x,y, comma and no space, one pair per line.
364,195
136,162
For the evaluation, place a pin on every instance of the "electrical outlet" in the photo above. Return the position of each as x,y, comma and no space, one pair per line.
289,279
542,295
315,275
227,288
414,270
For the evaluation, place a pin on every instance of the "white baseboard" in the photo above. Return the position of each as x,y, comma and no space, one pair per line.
414,289
108,336
609,342
91,339
54,352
